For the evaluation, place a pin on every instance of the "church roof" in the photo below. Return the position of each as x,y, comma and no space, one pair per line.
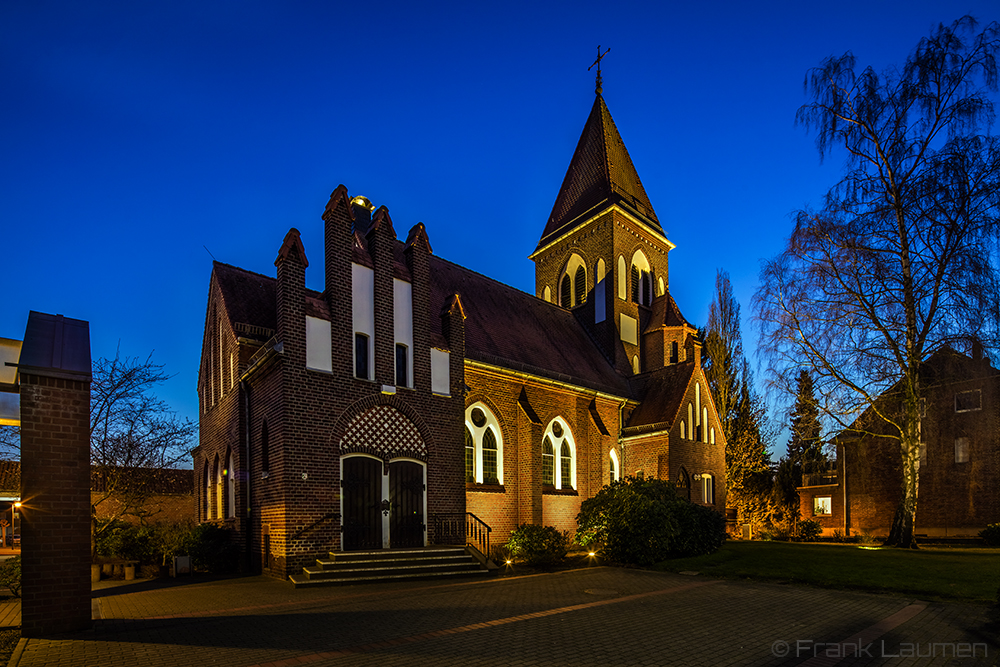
665,389
665,313
512,329
600,171
247,297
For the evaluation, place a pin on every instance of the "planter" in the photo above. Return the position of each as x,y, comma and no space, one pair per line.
95,572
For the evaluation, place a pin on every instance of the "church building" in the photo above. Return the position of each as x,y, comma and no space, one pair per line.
412,392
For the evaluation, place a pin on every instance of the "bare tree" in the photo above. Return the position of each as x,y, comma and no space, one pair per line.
900,259
132,433
10,443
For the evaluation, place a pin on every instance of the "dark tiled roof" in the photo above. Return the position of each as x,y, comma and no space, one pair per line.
665,313
248,297
601,169
509,328
664,393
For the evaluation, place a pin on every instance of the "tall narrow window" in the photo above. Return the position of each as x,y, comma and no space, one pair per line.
961,450
490,458
219,497
208,492
673,352
230,489
265,461
708,489
548,464
647,289
470,457
565,292
566,466
635,284
613,467
402,372
579,286
361,356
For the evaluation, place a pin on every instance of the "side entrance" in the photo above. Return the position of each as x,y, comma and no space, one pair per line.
383,505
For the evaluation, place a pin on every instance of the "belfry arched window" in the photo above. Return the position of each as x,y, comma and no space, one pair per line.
579,286
565,292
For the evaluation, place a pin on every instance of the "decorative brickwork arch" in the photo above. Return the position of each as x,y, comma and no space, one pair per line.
384,432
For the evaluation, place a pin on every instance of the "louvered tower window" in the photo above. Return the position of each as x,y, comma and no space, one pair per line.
579,286
565,292
548,464
635,284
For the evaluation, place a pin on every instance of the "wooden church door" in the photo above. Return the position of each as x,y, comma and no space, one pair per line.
381,510
361,486
406,504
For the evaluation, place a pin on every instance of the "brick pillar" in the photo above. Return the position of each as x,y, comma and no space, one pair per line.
54,377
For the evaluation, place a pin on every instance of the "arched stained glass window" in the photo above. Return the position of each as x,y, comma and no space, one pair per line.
548,463
490,457
470,457
566,466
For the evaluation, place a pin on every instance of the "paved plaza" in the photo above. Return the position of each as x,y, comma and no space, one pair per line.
594,616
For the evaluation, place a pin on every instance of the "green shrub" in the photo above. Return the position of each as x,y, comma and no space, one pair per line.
644,521
537,545
991,535
10,575
212,549
809,530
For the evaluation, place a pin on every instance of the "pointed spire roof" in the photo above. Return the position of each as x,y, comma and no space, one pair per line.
601,171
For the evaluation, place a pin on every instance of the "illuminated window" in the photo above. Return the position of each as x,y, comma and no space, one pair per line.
558,442
470,457
548,464
613,468
708,489
483,445
230,489
822,505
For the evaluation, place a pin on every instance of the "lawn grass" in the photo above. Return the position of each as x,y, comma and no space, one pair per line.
928,573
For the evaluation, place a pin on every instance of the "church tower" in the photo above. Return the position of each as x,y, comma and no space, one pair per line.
604,255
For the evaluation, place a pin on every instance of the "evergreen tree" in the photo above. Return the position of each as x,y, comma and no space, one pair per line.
741,411
804,454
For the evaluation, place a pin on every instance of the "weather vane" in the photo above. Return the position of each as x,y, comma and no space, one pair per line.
597,62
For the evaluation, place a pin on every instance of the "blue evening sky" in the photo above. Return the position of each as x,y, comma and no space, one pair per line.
138,134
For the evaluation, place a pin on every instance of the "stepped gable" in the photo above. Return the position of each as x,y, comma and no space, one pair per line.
601,171
510,328
665,390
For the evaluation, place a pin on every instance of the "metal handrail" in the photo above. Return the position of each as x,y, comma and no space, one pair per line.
462,527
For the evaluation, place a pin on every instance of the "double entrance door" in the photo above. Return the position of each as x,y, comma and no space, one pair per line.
382,506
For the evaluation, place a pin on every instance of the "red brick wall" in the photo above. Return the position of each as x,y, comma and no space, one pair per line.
55,491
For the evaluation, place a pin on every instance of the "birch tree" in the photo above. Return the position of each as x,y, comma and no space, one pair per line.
899,260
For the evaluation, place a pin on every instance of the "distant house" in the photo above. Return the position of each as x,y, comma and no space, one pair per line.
959,482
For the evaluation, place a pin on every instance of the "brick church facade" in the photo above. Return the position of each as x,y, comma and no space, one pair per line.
413,390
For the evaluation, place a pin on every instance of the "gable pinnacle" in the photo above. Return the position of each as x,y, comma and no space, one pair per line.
599,88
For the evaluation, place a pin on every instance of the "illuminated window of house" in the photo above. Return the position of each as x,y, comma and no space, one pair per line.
961,450
483,445
822,505
968,401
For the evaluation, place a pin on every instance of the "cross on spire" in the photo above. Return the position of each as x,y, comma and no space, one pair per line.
599,89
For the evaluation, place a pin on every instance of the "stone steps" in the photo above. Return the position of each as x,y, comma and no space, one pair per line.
390,565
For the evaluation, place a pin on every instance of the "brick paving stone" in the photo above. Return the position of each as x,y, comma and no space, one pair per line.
598,616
